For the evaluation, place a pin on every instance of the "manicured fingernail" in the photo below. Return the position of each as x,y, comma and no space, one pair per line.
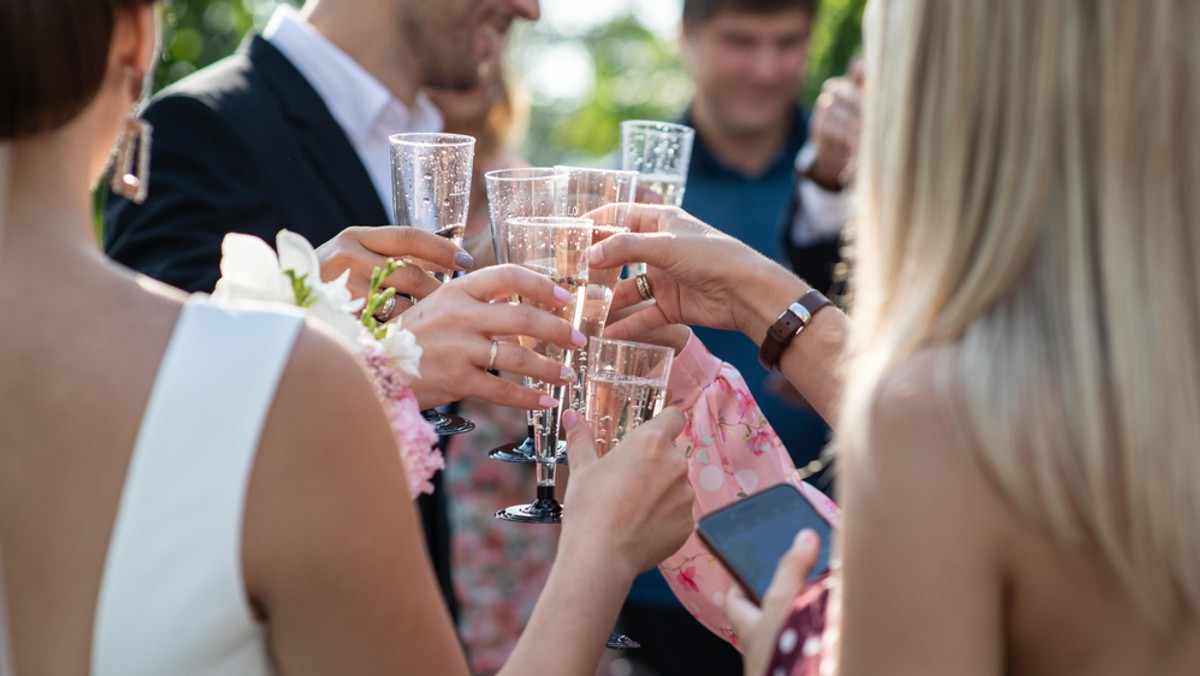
464,260
567,374
562,295
569,419
546,401
596,256
577,338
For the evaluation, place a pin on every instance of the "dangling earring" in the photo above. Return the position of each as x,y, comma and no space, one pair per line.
136,133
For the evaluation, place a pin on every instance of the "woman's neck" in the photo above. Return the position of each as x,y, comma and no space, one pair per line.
50,194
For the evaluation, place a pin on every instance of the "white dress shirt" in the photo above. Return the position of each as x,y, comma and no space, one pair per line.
820,214
366,111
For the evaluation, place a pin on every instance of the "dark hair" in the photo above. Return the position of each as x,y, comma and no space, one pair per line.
53,56
696,12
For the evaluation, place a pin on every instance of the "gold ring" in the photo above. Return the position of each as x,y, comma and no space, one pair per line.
491,365
387,311
643,287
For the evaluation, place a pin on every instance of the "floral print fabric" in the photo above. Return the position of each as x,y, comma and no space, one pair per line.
732,452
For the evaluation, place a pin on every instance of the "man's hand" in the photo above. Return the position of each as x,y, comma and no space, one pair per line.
835,128
362,249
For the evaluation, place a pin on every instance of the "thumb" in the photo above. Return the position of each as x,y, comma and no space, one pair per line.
791,575
581,442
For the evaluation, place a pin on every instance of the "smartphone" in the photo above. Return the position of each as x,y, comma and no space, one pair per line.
751,536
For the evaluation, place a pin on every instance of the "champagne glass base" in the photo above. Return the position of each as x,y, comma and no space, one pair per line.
541,511
621,642
524,452
447,425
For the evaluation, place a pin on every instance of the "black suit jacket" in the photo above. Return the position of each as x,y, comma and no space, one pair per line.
247,145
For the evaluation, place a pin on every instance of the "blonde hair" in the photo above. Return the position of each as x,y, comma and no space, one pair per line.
1029,198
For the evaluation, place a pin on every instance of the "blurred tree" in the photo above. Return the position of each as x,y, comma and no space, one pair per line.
836,38
198,32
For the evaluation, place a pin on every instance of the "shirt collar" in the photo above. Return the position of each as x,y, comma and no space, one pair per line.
704,157
354,97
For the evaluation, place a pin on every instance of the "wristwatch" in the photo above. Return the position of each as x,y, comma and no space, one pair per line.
788,326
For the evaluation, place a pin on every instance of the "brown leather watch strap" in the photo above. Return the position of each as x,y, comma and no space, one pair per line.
788,326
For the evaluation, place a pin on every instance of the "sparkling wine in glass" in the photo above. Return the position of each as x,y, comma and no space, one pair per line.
431,190
605,196
557,248
626,386
660,152
519,193
431,183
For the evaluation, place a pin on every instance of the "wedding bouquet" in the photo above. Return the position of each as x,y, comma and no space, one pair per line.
250,270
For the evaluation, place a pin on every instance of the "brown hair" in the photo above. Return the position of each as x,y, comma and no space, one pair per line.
53,54
696,12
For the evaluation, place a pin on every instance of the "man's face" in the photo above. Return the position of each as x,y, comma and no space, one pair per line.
451,38
748,67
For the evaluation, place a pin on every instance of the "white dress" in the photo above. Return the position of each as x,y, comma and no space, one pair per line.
172,599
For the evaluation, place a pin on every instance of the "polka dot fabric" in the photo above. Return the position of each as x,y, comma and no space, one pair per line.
732,452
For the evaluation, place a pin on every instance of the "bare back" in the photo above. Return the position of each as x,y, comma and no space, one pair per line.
943,576
331,553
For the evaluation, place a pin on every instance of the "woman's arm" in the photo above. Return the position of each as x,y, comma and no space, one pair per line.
334,557
622,515
701,276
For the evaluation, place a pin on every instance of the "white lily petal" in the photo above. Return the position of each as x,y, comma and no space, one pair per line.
298,255
246,259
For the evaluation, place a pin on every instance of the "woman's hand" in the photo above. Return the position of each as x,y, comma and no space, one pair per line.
697,274
758,628
634,506
456,325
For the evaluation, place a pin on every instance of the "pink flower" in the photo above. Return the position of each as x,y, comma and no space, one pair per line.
414,437
687,577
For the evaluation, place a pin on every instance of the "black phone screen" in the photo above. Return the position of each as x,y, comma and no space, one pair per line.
751,535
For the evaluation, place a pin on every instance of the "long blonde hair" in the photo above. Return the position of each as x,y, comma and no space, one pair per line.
1030,199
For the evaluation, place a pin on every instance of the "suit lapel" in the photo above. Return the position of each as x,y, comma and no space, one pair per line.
321,139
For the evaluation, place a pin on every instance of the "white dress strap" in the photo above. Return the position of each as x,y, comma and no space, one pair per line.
172,598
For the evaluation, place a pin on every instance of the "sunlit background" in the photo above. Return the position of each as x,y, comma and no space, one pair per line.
584,67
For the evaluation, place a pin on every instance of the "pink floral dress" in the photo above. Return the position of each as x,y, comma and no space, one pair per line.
732,452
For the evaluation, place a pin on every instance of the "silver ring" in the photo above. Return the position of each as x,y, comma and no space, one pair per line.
643,287
387,311
491,365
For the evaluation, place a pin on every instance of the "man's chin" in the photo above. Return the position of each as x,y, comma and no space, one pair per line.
458,80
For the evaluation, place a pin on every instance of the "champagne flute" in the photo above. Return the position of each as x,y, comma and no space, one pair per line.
519,193
431,190
585,193
626,386
556,247
660,152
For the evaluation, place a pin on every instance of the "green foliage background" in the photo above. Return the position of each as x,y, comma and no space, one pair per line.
636,73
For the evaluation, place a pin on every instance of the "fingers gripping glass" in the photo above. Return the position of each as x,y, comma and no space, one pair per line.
557,248
519,193
431,190
626,386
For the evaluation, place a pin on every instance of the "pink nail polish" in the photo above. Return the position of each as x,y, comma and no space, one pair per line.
562,295
577,338
567,374
546,401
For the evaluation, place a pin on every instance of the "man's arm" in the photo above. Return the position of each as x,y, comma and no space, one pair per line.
203,184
